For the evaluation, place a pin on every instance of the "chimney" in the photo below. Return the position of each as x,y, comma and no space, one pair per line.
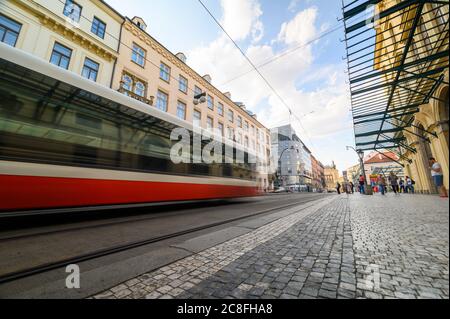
207,77
181,56
140,23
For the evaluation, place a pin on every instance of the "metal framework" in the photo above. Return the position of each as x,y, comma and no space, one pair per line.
397,53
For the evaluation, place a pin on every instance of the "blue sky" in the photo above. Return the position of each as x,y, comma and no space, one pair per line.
311,78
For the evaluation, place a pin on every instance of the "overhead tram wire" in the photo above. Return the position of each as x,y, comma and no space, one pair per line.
256,69
290,51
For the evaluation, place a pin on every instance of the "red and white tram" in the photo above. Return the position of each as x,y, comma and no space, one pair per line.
67,142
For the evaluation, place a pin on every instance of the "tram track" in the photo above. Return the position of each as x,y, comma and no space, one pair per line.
45,267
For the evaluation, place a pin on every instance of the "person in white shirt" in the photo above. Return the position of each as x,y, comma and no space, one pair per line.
438,177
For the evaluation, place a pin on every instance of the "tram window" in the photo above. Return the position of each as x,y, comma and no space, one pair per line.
54,122
88,121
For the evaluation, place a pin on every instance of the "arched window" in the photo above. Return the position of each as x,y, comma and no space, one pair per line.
139,89
127,83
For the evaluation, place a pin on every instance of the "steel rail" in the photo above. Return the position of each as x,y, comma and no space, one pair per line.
12,276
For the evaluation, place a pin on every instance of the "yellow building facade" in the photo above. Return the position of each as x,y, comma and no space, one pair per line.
149,72
81,36
431,122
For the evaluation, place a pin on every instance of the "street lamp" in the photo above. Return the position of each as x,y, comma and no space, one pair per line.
200,98
360,153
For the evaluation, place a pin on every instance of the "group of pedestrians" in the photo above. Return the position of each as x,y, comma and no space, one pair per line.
398,185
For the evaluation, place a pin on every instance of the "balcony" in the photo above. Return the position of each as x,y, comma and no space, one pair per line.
137,97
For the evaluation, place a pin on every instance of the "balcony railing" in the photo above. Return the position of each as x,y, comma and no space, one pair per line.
137,97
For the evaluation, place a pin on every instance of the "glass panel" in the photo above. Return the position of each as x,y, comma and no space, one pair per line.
161,102
10,24
72,10
64,63
10,38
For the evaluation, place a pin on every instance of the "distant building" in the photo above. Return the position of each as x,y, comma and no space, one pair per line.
318,174
294,159
353,173
382,163
331,177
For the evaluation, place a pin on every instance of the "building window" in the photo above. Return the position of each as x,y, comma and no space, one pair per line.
164,72
98,27
239,121
131,84
90,69
181,110
72,10
230,116
210,102
221,129
139,89
246,126
197,90
127,83
246,142
220,109
230,133
9,31
209,123
239,139
162,100
183,84
197,118
138,55
253,130
61,56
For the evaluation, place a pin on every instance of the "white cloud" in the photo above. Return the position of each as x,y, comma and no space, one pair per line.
289,75
301,29
241,19
293,5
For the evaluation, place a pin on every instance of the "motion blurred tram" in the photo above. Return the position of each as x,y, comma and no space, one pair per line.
68,142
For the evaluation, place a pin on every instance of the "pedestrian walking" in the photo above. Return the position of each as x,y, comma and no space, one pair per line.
361,184
352,187
381,184
338,188
402,185
409,185
438,177
393,179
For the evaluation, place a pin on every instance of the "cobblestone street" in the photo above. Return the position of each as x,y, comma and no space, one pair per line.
342,247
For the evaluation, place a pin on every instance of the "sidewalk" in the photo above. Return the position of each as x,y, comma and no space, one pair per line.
347,246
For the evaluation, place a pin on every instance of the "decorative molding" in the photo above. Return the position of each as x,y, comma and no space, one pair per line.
68,32
75,37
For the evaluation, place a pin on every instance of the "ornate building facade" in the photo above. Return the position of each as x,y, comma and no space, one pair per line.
81,36
428,133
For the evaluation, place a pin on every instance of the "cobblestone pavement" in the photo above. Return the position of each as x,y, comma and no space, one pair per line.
343,247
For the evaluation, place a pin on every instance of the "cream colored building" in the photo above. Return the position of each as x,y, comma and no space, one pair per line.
332,177
431,36
149,72
82,36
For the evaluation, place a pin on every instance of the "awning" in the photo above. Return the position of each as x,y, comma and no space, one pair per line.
397,52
